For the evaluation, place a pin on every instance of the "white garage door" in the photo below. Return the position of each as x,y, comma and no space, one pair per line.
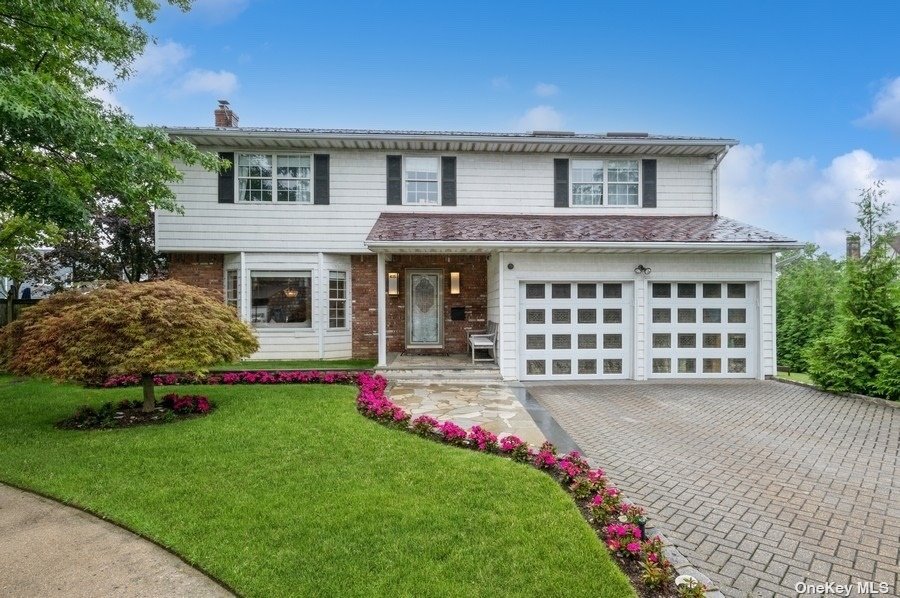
575,330
702,330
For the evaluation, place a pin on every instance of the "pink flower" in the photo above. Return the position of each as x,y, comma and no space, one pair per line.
510,443
633,547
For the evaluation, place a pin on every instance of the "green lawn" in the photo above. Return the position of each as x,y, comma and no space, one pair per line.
796,377
287,490
298,364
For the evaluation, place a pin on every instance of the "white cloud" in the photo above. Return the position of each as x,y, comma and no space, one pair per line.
106,96
500,82
204,81
160,59
797,197
545,90
541,118
885,110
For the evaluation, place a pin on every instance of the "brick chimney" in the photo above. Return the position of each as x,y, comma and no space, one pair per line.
225,117
853,247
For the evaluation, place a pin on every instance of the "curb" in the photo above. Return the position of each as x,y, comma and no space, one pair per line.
558,436
851,395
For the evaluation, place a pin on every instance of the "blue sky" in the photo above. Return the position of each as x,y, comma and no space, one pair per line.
812,90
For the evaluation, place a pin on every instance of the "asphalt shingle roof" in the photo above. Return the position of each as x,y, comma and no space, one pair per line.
399,227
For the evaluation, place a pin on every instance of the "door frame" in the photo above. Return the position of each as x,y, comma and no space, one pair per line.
440,308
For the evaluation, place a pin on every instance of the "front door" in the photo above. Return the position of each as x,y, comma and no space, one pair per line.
424,308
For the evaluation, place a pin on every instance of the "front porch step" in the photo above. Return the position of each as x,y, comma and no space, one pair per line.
442,375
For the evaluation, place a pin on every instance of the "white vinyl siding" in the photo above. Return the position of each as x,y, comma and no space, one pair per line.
485,183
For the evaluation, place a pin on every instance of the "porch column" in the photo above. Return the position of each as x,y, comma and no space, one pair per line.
382,312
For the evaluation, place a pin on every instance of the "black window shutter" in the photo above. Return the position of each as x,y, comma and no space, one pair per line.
561,183
448,181
648,199
321,179
394,180
226,179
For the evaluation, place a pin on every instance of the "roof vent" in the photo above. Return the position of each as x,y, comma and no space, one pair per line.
627,134
553,133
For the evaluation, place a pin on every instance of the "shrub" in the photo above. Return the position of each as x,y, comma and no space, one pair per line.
624,539
484,440
185,404
887,382
605,506
655,575
515,447
452,433
138,328
424,425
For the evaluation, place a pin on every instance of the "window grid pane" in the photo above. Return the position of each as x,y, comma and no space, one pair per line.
421,175
337,299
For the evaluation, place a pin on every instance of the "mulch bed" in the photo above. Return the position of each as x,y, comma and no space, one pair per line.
126,414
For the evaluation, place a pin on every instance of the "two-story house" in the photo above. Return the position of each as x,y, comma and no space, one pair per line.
598,255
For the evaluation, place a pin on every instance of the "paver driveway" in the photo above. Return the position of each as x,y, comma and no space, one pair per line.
761,484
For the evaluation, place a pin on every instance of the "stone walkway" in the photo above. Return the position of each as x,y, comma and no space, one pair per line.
48,549
762,485
491,406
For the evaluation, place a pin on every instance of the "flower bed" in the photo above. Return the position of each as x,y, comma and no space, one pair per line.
618,523
228,378
127,414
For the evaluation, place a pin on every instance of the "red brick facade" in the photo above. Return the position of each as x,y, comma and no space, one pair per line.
473,297
204,270
364,305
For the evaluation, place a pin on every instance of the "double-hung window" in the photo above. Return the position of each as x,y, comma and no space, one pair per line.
281,299
420,179
605,182
274,177
337,299
232,292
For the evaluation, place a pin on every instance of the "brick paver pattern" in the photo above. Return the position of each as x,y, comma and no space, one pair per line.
760,484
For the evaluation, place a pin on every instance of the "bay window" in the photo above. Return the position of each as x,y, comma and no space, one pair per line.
281,299
605,182
278,177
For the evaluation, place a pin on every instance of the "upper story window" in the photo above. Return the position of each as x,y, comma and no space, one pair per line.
278,177
605,182
420,180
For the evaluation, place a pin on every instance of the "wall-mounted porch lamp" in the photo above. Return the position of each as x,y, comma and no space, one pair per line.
454,283
393,283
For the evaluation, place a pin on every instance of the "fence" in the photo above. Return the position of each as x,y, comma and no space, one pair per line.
18,305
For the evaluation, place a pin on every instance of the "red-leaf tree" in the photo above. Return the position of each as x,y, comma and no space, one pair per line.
140,328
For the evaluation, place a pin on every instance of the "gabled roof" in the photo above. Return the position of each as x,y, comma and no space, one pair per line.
591,231
537,141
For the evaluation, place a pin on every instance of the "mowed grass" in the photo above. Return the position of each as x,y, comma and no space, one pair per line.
297,364
287,490
796,377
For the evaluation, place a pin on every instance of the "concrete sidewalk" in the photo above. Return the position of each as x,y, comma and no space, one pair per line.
49,549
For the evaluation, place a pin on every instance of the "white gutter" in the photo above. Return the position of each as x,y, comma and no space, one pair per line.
715,179
526,245
528,139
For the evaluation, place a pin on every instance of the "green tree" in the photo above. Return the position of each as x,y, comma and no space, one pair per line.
61,150
126,328
865,340
806,290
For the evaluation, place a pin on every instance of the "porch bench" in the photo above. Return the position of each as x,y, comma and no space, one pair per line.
485,340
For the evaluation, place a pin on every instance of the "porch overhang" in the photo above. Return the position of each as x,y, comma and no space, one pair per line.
484,233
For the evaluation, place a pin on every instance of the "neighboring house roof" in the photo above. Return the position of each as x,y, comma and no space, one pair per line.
895,244
537,141
401,229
